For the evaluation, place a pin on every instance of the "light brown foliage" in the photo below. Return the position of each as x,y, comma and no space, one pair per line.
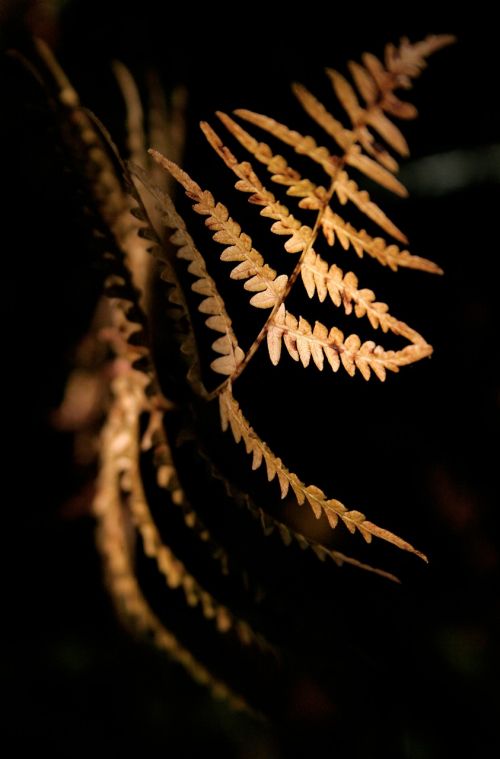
370,103
377,84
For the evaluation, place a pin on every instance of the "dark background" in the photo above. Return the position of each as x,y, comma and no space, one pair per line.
411,671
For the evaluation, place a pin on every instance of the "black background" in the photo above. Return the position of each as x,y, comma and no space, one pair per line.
420,452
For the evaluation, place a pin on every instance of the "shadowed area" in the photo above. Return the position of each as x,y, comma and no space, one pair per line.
371,668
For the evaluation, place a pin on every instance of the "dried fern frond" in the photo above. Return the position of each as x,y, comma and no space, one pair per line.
303,341
140,234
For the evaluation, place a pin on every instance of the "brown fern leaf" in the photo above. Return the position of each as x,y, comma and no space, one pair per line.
284,222
124,305
232,417
377,86
303,341
153,245
127,339
386,254
130,242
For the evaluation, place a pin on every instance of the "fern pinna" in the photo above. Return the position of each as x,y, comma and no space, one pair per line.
132,208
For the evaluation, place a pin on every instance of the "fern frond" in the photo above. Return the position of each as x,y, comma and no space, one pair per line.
128,319
179,312
232,417
122,210
332,224
125,236
378,85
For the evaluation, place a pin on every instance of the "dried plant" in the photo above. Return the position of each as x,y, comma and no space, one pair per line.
137,232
